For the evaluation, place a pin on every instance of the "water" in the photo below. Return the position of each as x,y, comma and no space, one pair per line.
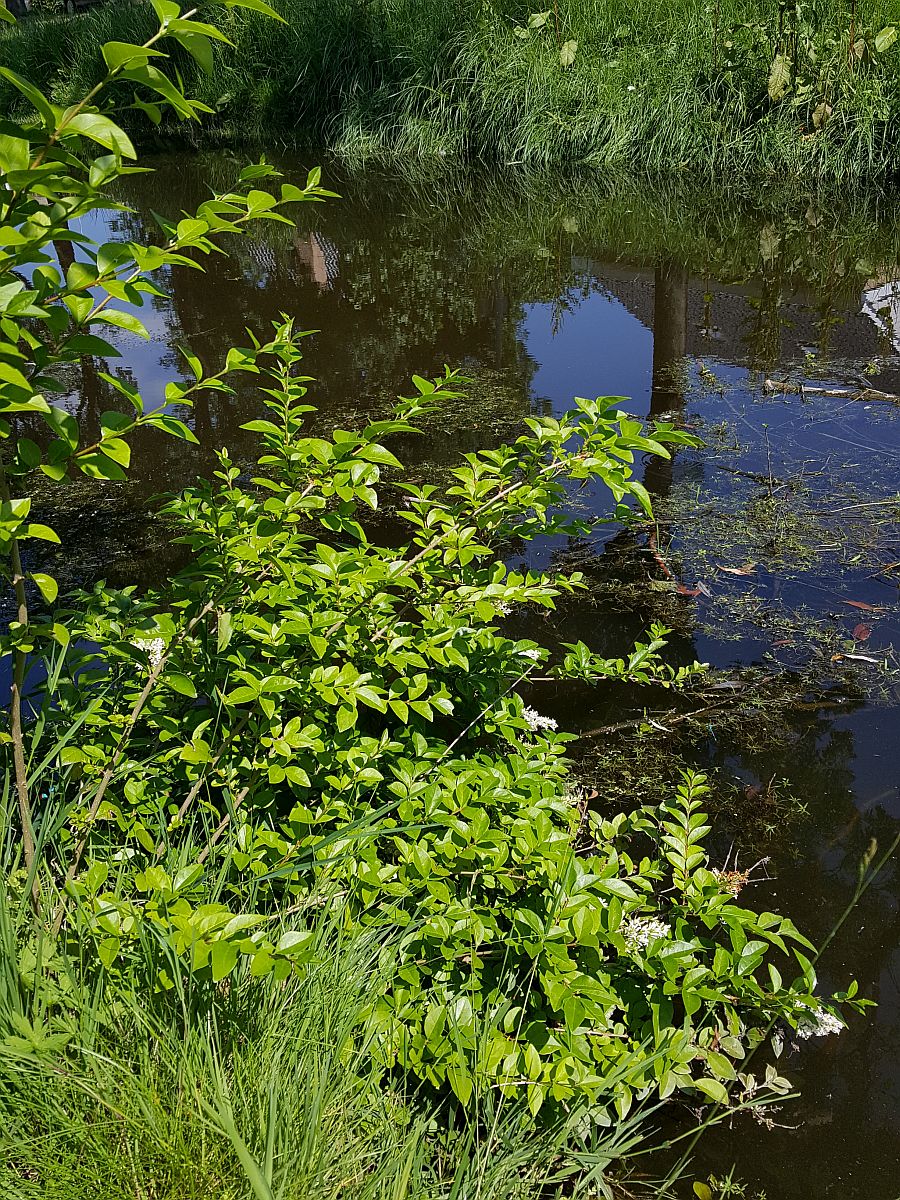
778,546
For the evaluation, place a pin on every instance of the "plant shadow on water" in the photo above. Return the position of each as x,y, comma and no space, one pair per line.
774,555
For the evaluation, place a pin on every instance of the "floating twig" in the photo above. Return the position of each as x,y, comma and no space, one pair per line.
783,388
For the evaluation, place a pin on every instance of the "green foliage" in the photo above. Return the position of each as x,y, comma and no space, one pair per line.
816,66
346,714
308,718
806,89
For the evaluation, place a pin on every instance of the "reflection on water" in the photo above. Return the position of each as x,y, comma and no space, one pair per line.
682,310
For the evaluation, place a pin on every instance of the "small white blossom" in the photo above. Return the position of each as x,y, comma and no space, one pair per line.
534,655
154,648
503,608
819,1023
639,932
536,722
632,88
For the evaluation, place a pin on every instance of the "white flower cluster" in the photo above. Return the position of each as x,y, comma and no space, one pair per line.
639,932
536,722
503,608
154,648
819,1023
534,654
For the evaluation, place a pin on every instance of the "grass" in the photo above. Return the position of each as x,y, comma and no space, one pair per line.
268,1093
251,1089
682,87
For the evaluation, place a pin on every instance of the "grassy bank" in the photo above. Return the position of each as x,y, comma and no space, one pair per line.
713,88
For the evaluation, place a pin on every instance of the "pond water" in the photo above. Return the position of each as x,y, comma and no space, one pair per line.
777,552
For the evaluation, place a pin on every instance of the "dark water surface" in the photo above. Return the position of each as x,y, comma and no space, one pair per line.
545,292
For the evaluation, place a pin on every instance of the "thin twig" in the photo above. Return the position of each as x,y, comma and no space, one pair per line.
783,388
20,662
201,778
223,825
677,720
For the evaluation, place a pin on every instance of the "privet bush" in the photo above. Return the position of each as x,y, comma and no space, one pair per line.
307,717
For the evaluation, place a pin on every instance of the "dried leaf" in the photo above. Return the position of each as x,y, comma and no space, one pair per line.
861,633
567,53
686,591
747,569
779,77
769,241
821,113
862,604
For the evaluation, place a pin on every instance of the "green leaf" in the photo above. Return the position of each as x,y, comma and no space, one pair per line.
174,427
461,1082
89,343
42,532
33,94
720,1065
378,454
102,130
63,425
181,684
186,876
199,47
259,6
567,53
885,38
295,942
223,632
80,276
149,76
118,450
714,1089
123,320
120,54
346,718
618,887
96,465
222,959
47,585
153,111
108,951
318,645
193,362
28,453
167,11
